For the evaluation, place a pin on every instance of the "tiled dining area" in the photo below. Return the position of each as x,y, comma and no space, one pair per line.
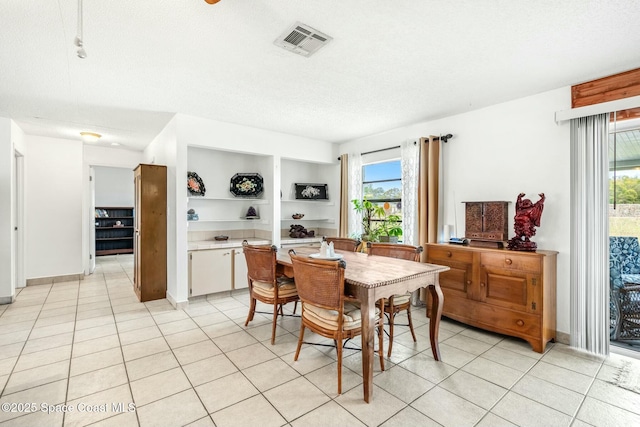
88,353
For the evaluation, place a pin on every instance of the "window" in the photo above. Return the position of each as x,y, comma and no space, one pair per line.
382,185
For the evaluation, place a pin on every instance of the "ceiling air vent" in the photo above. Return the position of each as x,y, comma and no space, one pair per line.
302,39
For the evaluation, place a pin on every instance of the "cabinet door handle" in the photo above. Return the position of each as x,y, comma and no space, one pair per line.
482,285
520,322
468,282
508,261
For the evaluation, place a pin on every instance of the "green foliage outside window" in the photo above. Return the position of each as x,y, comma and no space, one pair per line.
627,190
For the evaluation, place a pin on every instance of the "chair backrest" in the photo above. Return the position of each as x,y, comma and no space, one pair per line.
319,282
261,262
343,243
395,250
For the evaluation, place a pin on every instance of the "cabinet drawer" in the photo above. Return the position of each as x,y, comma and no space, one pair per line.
486,235
511,261
437,253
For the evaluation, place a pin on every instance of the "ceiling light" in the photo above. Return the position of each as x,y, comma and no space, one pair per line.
90,136
212,1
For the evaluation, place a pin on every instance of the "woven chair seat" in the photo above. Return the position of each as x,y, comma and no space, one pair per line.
398,299
285,289
328,319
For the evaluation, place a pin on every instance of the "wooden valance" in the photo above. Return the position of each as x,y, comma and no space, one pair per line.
611,88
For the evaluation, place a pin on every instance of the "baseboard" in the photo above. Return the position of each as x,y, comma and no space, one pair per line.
55,279
177,305
563,338
7,300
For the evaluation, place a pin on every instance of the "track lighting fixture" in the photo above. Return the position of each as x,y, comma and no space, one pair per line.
82,54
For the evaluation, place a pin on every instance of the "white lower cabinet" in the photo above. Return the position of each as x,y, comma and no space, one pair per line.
209,271
239,270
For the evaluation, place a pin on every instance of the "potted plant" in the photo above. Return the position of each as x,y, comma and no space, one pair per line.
391,228
368,211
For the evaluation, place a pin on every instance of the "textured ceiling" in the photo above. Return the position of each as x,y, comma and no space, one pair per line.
390,64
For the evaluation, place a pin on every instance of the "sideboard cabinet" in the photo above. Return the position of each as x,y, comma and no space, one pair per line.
509,292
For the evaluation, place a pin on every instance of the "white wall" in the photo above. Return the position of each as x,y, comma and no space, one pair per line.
53,207
164,150
7,290
496,153
113,186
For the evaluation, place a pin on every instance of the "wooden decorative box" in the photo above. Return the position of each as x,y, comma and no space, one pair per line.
486,223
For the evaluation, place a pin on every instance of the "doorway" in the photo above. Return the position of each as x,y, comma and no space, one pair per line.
18,221
624,229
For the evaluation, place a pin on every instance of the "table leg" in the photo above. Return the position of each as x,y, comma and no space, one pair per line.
437,300
368,310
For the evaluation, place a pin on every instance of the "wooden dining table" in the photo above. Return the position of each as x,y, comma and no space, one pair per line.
370,278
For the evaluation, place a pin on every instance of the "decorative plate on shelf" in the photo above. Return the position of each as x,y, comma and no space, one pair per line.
246,185
195,184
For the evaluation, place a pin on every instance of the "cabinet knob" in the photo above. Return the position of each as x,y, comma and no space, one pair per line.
449,254
508,261
468,282
520,322
482,285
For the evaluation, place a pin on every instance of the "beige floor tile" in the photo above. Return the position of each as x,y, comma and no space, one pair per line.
253,411
470,345
382,406
476,390
562,377
177,326
99,312
151,365
309,360
111,397
93,333
554,396
95,345
170,316
95,322
403,384
138,335
572,362
509,358
285,344
251,355
493,372
448,409
481,335
132,315
124,308
41,358
11,350
521,347
37,418
132,325
329,415
326,379
34,377
410,417
234,341
200,309
17,327
94,305
296,398
210,318
225,391
209,369
492,420
159,386
55,312
426,367
124,419
616,396
194,352
48,331
95,361
176,410
7,365
512,406
598,413
221,329
14,316
144,348
14,337
51,394
185,338
270,374
95,381
451,355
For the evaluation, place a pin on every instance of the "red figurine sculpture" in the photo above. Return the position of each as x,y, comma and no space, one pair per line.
526,219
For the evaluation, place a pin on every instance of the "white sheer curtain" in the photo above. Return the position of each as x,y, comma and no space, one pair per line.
410,167
355,192
590,234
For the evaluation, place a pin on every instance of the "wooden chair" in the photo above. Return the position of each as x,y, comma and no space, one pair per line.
325,308
343,243
264,283
396,303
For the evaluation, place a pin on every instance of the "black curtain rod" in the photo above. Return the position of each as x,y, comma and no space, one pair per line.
445,139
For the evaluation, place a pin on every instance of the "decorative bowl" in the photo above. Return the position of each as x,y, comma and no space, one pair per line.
221,238
297,216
